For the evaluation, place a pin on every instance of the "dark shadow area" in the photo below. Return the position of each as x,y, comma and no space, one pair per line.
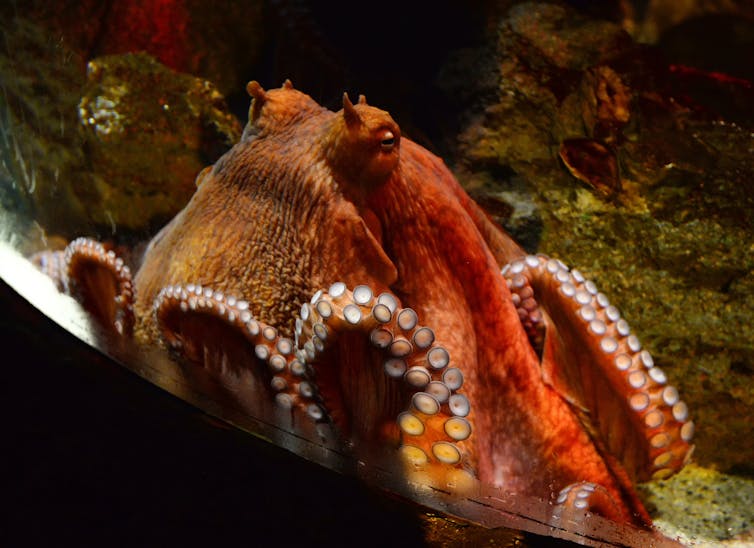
95,456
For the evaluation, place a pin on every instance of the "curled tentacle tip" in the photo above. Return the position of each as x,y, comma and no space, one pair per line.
287,84
255,90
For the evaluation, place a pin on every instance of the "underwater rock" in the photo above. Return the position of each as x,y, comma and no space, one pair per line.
148,131
660,17
217,41
122,156
673,237
704,507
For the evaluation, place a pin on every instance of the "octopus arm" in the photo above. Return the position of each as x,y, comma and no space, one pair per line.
501,245
349,248
404,384
97,278
593,360
576,499
218,333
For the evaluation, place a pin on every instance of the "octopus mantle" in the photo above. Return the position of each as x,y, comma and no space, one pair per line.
341,270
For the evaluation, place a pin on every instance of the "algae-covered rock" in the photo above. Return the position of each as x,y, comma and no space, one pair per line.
672,241
148,131
217,41
704,507
117,148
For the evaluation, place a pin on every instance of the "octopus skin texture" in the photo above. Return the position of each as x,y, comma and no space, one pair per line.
341,270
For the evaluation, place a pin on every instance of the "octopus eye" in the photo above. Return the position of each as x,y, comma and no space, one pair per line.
388,141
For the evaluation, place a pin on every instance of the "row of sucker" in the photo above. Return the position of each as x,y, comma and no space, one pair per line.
436,424
81,254
664,416
53,265
577,499
290,377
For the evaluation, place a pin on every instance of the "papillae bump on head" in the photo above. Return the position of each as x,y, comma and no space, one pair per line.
362,144
275,109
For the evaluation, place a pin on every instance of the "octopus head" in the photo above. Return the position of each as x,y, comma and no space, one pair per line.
362,145
273,110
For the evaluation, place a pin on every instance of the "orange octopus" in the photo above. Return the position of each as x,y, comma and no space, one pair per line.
341,270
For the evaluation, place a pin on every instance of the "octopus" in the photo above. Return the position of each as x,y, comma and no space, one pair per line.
341,269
